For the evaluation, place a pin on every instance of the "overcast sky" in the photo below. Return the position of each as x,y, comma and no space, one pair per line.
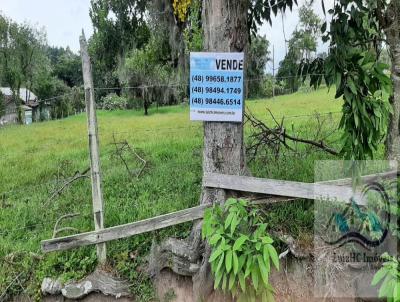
64,20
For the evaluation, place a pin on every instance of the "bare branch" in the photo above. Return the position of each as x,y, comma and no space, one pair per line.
57,230
266,137
78,175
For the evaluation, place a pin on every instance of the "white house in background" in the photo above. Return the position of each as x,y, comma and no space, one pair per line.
30,107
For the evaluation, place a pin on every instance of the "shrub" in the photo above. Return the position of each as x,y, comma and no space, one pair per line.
242,251
113,102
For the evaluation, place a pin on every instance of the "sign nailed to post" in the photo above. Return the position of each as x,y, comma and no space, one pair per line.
216,86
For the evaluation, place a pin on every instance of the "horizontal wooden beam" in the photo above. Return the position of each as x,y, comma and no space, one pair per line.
280,190
123,231
281,187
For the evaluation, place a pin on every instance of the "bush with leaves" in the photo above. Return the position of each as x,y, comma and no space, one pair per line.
114,102
242,251
389,277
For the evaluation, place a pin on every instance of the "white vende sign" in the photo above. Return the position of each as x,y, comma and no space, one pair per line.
216,86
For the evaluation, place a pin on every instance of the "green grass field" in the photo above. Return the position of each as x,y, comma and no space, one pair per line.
34,160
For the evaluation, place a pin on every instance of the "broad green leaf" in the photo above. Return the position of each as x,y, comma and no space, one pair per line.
224,281
273,255
228,220
214,239
352,86
265,253
235,263
263,269
229,202
231,281
221,261
267,239
228,261
218,277
216,253
242,260
235,222
254,275
249,264
380,274
239,242
242,282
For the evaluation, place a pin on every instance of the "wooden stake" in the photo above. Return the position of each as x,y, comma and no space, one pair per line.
97,196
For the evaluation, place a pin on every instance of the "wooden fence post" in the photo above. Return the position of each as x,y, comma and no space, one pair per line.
97,196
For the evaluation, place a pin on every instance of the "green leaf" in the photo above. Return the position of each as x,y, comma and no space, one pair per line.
242,282
216,253
218,278
351,85
379,276
228,220
249,264
224,281
235,263
254,275
221,261
265,253
234,224
263,270
242,260
231,281
239,242
229,202
273,255
214,239
228,261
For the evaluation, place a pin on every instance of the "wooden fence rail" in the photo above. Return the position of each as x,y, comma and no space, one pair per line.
332,190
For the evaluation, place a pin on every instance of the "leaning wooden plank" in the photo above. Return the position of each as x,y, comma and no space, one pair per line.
281,187
124,231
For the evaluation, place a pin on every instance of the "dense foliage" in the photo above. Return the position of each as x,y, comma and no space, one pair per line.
242,252
301,45
363,82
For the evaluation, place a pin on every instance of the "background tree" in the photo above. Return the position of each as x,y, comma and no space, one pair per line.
21,48
2,105
67,65
302,45
119,27
258,57
389,20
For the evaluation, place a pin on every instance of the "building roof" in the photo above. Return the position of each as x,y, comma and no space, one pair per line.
25,94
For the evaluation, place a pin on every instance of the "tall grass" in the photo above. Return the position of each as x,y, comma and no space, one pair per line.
35,159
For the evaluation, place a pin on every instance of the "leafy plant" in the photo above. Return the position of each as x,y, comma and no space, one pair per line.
114,102
242,251
389,276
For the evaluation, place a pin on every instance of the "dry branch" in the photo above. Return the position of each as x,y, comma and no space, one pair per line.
57,230
123,147
273,138
78,175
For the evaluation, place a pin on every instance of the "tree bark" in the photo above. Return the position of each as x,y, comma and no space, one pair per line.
225,30
392,31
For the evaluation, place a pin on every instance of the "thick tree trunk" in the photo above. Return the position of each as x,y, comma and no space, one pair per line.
392,31
225,30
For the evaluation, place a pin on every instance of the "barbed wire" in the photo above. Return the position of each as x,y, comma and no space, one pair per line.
173,85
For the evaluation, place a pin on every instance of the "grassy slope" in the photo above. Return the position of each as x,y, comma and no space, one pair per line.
32,157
